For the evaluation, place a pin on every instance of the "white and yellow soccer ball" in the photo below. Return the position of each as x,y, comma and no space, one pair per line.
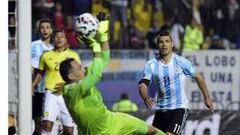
86,24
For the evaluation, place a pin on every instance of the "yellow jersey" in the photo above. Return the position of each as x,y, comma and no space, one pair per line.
50,62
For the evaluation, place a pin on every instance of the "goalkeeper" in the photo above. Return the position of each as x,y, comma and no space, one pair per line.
84,100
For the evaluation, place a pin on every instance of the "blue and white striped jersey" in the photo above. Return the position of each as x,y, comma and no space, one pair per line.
169,79
38,47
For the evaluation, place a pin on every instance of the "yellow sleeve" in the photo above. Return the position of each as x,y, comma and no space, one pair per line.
42,64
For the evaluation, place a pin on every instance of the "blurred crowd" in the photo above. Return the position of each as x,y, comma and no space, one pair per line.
134,24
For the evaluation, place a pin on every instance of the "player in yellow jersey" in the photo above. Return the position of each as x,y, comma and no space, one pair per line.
54,104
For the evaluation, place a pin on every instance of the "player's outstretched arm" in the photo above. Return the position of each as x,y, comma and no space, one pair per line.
95,68
203,87
104,36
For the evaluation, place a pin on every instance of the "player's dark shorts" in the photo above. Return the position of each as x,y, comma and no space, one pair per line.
170,120
37,104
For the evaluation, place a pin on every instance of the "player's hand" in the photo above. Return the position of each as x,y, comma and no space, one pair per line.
103,26
209,104
101,16
149,102
87,40
91,42
59,88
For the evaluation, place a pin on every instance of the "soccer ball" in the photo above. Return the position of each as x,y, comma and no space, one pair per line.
87,24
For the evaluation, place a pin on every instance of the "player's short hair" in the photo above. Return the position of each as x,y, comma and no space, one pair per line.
45,20
164,33
65,66
59,30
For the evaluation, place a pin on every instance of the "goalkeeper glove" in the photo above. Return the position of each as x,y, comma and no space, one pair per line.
91,42
103,26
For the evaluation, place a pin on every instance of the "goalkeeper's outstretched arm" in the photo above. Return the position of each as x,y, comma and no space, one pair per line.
95,68
103,37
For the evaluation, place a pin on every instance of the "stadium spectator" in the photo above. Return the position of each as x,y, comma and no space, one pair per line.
195,11
125,105
206,10
39,11
135,37
67,6
98,5
70,33
168,72
119,12
193,37
167,25
48,4
232,21
180,8
141,10
217,43
59,16
150,40
218,19
207,43
177,33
